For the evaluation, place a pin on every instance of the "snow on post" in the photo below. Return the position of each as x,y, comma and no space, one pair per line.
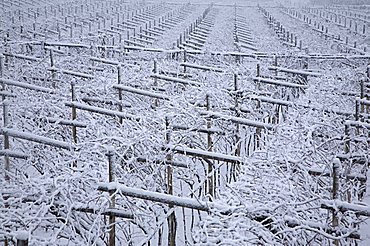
22,238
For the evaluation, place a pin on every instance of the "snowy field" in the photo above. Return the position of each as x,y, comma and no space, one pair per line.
184,123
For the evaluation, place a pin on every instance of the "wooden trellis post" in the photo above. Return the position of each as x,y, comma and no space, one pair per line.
275,118
185,60
119,81
358,111
172,224
74,116
5,121
258,106
155,71
305,67
6,137
346,139
211,179
237,130
362,94
112,218
53,73
74,112
71,31
22,239
275,64
363,89
335,191
237,135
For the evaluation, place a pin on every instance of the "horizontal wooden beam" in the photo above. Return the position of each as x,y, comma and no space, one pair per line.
345,206
202,130
141,92
205,68
278,82
64,122
203,153
294,71
357,124
109,211
73,73
105,61
106,101
36,138
176,80
166,162
270,100
102,110
238,120
7,94
23,57
355,159
322,173
69,45
25,85
289,103
14,154
154,196
292,222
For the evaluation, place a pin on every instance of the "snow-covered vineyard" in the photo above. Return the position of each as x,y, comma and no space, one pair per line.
173,123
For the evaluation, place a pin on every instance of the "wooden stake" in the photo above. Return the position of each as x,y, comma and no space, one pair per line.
185,60
5,121
357,114
276,62
211,179
346,139
119,77
6,137
335,191
74,116
172,224
155,71
22,241
112,218
53,73
258,106
237,131
74,112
